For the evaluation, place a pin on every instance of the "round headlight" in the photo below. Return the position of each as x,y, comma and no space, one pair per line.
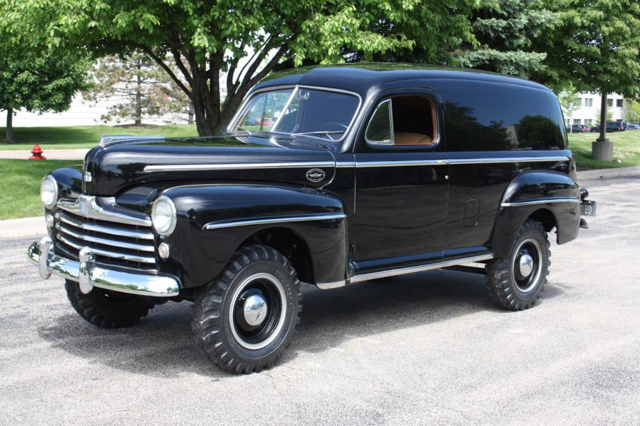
164,216
49,191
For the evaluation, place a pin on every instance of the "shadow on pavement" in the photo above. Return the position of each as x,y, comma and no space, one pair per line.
161,344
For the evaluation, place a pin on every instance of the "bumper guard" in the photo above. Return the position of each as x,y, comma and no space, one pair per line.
89,275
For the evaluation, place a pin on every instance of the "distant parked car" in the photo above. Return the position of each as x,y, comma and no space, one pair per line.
615,126
579,128
612,126
633,126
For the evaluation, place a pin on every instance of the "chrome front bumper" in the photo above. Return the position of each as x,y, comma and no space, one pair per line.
88,275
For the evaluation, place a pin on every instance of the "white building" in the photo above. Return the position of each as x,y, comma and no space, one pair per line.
590,108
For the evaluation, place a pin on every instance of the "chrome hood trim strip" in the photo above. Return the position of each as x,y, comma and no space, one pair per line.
236,166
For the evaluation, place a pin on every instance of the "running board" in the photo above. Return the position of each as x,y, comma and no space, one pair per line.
404,271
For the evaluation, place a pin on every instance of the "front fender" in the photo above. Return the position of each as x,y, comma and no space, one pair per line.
543,194
69,182
215,219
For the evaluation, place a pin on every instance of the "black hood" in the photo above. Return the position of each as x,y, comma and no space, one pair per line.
121,165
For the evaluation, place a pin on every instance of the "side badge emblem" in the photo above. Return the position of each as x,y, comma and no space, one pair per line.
315,175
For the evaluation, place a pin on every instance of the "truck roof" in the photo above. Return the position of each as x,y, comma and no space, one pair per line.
363,77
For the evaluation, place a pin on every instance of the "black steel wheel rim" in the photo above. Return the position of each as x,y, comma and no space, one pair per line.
269,289
527,265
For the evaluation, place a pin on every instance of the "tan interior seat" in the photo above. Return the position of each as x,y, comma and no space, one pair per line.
405,138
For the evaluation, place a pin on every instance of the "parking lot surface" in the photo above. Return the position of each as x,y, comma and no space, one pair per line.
423,349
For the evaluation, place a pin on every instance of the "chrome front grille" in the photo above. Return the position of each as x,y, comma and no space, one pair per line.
114,243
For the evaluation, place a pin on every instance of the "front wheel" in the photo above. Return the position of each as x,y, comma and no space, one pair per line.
244,320
515,283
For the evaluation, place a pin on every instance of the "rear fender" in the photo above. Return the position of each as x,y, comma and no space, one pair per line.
547,196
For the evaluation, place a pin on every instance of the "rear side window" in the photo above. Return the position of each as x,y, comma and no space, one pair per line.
404,121
481,116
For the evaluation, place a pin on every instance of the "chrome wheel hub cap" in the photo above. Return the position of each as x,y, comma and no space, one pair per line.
255,310
525,265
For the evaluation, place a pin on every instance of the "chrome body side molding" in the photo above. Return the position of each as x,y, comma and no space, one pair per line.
237,166
267,221
370,164
449,162
550,200
87,206
498,160
348,164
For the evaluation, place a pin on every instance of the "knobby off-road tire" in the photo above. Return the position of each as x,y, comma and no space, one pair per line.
508,286
232,326
107,309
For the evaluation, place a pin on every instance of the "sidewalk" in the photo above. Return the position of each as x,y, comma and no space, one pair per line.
609,173
50,154
36,226
23,227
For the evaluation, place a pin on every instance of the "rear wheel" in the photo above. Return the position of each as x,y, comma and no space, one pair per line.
245,319
515,283
107,309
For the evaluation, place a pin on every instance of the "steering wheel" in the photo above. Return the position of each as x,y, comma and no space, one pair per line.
327,127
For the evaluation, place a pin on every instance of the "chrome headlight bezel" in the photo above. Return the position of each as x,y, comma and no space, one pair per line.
170,212
49,202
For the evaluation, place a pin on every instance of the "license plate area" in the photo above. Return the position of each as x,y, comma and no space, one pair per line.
588,208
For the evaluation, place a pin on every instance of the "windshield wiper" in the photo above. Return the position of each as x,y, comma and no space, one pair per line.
318,132
326,133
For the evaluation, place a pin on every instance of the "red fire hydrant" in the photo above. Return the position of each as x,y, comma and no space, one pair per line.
37,153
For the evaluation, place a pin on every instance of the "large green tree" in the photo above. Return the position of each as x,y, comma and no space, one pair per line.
247,39
595,45
492,35
33,76
137,88
38,81
505,32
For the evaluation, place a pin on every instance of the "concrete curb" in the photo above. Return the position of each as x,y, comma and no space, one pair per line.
598,174
22,227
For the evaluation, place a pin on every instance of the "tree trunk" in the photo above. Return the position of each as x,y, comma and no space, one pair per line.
190,113
603,118
602,148
9,129
138,117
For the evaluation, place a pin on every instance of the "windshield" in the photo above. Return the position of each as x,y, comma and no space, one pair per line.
299,111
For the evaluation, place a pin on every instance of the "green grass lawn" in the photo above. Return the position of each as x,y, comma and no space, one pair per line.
84,136
626,148
20,186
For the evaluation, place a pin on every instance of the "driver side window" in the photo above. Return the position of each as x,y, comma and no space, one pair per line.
404,121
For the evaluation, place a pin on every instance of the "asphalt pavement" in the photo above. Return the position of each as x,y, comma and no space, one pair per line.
423,349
